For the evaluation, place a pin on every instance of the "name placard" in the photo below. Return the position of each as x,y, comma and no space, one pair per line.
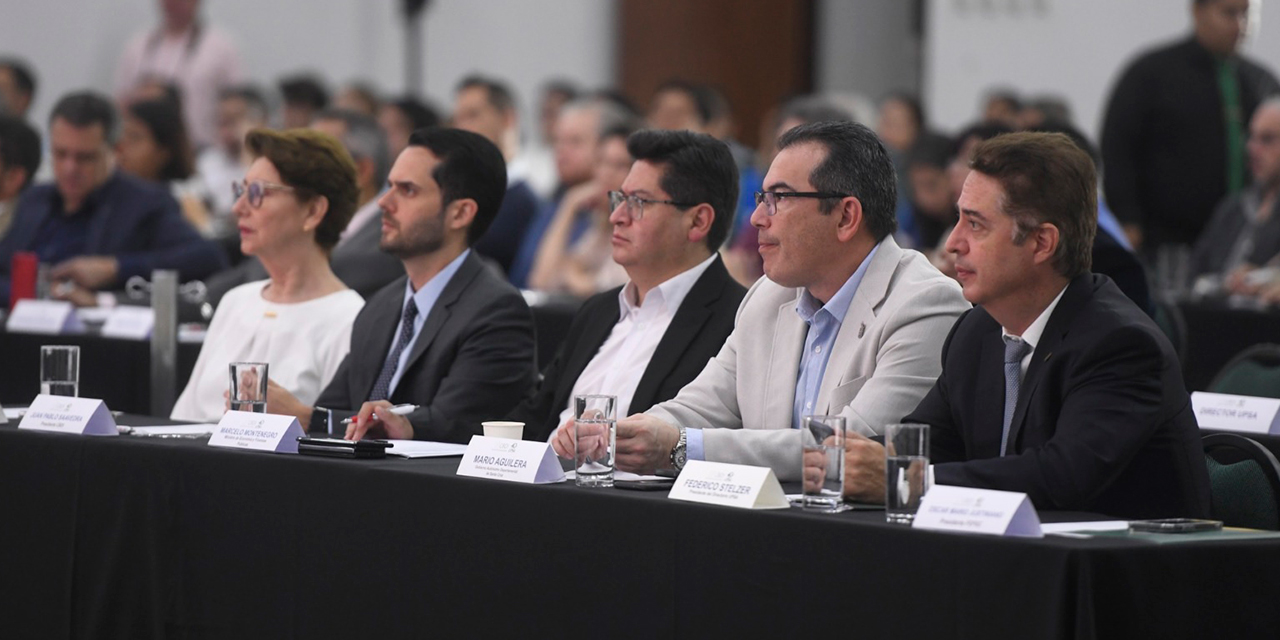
257,432
985,511
64,414
510,460
729,485
129,322
43,316
1227,412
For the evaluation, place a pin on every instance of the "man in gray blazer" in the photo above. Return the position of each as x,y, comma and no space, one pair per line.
450,337
845,322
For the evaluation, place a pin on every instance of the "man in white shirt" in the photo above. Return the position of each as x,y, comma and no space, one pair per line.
644,341
845,322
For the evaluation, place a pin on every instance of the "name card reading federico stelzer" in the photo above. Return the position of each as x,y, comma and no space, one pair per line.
729,485
257,432
510,460
1227,412
65,414
985,511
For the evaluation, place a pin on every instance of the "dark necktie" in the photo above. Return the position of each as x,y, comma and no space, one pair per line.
1014,351
382,387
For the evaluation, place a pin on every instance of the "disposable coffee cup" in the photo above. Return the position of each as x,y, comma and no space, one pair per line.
503,429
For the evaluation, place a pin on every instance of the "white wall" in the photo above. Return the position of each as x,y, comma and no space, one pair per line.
74,44
866,47
1075,48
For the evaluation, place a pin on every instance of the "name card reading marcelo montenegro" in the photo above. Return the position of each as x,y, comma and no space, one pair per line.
511,460
257,432
1246,414
985,511
729,485
64,414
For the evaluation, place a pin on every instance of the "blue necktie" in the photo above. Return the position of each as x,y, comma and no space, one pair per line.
382,387
1014,351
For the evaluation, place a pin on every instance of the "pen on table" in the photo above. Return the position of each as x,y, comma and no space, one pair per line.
400,410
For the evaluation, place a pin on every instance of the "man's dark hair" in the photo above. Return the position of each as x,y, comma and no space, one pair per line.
251,96
931,150
420,114
979,130
84,109
470,167
22,75
702,98
857,164
1046,178
1058,126
19,147
164,120
497,93
305,90
696,168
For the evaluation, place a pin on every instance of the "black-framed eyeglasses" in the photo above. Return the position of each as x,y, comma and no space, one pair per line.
257,190
635,204
771,198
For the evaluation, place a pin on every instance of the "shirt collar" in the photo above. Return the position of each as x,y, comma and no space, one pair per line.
425,297
839,303
668,295
1032,335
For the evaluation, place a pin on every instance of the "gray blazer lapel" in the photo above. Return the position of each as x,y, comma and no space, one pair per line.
871,292
784,364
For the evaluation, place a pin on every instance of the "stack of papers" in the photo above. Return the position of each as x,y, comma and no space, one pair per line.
171,431
421,449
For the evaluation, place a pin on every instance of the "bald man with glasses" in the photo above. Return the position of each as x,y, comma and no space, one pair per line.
845,322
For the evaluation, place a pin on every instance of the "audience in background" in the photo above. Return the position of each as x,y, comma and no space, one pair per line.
359,97
19,161
402,116
1002,108
199,58
240,109
97,226
154,146
296,199
303,95
17,87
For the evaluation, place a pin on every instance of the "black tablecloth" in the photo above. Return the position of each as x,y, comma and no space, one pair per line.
117,371
116,537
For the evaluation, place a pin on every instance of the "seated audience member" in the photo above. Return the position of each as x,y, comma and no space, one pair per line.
451,337
1244,232
576,252
356,258
845,322
933,200
19,161
223,162
401,117
17,87
295,200
1043,109
359,97
154,146
1002,108
577,135
536,164
1093,411
677,105
97,226
303,96
644,341
487,107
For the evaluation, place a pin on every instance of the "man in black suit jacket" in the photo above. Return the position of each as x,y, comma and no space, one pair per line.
450,337
1056,385
643,342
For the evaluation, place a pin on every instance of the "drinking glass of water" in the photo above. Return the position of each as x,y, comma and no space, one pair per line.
249,386
596,435
60,370
822,458
906,466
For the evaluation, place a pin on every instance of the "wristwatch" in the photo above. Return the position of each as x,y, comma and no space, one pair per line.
679,453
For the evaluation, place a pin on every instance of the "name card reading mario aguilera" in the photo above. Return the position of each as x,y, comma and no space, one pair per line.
257,432
997,513
511,460
69,415
729,485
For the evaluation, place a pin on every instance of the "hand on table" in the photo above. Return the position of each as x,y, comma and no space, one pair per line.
376,420
645,444
863,469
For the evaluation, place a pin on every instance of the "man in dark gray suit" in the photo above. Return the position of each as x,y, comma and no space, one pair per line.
450,337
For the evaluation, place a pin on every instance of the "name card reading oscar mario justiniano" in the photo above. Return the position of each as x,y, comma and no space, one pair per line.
987,511
257,432
65,414
729,485
511,460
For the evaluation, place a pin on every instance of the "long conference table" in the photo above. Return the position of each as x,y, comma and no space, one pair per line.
126,537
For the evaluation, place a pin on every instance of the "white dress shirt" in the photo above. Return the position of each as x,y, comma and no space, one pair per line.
618,366
1034,331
